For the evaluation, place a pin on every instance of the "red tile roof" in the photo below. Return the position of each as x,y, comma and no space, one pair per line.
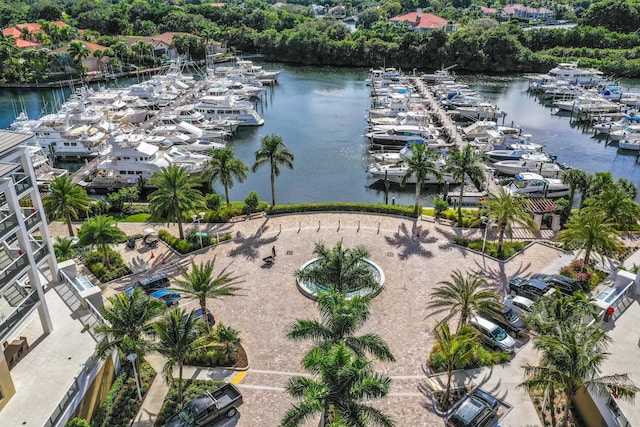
426,20
489,10
26,43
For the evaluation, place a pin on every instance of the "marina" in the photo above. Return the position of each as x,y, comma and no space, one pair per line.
318,112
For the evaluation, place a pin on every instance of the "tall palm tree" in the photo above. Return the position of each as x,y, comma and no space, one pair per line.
570,360
179,336
128,319
589,231
454,350
464,296
78,52
200,284
176,194
272,151
576,179
463,163
422,163
341,382
225,167
340,268
341,317
100,231
556,309
507,210
615,204
66,199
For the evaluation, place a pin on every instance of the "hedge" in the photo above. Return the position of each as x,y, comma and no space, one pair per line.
191,243
407,211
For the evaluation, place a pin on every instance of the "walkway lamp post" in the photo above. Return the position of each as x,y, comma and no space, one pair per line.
487,222
132,358
196,220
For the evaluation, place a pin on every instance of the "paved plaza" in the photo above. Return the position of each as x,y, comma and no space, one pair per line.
415,255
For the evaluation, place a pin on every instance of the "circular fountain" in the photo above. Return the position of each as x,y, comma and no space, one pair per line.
310,289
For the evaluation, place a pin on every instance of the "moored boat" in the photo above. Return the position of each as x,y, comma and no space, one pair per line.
533,185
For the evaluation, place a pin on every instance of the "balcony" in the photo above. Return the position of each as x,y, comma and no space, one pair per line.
19,302
14,269
31,220
7,224
22,183
40,253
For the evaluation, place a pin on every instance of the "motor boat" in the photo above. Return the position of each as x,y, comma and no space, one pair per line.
533,185
630,144
611,126
545,169
395,172
500,155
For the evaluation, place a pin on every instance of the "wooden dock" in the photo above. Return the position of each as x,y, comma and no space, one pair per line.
81,176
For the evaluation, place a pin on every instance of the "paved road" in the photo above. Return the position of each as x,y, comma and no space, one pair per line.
270,301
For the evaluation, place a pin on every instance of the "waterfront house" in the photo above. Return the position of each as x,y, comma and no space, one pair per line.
419,21
163,46
25,34
525,12
337,12
93,65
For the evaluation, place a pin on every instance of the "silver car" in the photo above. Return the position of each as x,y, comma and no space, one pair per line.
493,334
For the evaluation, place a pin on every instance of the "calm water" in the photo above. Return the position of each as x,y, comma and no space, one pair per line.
319,112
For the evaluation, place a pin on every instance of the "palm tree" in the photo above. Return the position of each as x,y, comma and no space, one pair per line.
100,231
179,336
78,52
422,163
575,179
615,204
200,284
340,268
224,167
454,350
66,199
507,210
229,339
128,318
463,163
176,194
341,382
589,231
556,309
570,361
272,151
341,317
465,296
64,249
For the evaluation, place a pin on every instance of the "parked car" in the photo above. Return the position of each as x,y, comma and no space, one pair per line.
505,317
198,313
533,289
476,409
520,305
169,296
207,407
153,282
493,335
564,284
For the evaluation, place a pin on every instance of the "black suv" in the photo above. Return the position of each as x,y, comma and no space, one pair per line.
476,409
564,284
153,282
530,288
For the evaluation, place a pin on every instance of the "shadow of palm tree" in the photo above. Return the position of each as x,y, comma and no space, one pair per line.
410,241
249,246
495,272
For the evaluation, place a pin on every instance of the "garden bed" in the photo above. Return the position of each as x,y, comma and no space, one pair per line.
454,396
537,397
192,388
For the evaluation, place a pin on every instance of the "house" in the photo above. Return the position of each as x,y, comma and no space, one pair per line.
419,21
94,65
25,34
525,12
337,12
163,44
48,360
490,11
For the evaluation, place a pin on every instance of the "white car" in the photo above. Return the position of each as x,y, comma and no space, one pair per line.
519,304
493,334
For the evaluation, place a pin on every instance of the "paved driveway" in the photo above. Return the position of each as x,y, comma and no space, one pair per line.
269,301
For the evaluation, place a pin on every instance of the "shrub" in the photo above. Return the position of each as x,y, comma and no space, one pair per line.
78,422
251,203
407,211
94,261
213,201
439,206
586,275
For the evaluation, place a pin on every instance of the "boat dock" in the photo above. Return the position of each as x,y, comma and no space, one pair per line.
83,175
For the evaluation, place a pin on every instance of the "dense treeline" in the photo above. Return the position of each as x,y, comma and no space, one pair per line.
606,37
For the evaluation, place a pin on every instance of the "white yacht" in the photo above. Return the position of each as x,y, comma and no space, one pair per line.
395,172
533,185
545,169
570,72
227,108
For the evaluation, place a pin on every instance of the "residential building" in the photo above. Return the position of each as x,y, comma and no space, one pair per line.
419,21
525,12
25,34
48,362
337,12
94,65
163,45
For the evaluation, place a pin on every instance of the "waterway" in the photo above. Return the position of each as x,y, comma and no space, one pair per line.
319,112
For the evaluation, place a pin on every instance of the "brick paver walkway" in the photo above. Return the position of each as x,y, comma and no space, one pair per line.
269,300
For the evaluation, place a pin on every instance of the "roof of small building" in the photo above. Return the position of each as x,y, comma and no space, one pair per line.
540,206
489,10
10,139
426,20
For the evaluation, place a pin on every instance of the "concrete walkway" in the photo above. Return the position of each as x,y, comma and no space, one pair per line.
415,256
